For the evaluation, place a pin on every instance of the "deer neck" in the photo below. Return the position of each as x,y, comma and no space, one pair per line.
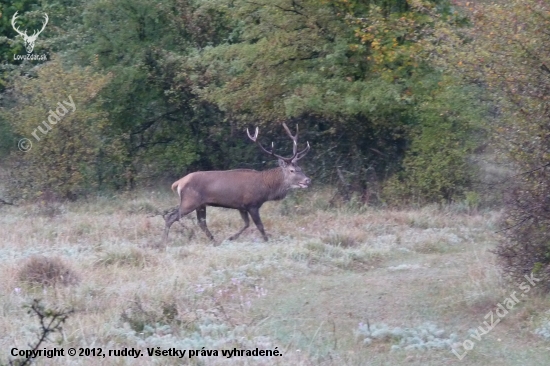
274,182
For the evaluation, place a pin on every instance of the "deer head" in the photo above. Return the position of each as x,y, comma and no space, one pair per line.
29,40
293,173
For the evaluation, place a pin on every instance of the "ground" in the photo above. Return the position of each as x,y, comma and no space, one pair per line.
348,285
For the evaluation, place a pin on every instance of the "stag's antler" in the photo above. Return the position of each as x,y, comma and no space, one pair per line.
301,154
255,139
295,155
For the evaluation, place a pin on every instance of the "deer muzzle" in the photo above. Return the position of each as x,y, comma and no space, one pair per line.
305,183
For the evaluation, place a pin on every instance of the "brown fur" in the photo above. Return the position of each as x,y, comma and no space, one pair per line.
245,190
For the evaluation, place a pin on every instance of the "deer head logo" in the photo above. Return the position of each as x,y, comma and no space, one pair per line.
29,40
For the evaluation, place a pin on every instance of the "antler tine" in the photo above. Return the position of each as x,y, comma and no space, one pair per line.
293,137
15,27
255,135
302,153
295,154
255,139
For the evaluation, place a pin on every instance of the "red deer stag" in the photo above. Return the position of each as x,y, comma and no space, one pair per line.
245,190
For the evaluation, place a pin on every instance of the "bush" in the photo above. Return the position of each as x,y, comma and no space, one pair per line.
139,318
436,167
526,223
423,337
57,118
44,271
518,84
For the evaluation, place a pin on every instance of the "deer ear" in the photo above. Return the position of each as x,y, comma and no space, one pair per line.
282,163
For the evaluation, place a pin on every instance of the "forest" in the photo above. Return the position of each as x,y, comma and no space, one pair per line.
396,109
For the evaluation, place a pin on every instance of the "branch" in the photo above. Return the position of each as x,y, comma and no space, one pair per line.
51,321
529,217
519,175
532,171
5,202
314,55
149,123
146,144
278,7
290,10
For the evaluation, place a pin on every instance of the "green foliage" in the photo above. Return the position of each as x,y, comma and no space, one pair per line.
150,101
65,152
365,72
6,138
292,59
30,16
436,167
143,321
509,51
308,57
186,76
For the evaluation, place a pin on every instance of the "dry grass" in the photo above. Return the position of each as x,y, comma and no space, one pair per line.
44,271
324,273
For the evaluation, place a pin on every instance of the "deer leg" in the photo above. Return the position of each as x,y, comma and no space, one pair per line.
201,217
244,215
172,217
255,213
169,219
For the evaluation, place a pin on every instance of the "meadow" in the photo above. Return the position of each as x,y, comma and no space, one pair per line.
335,285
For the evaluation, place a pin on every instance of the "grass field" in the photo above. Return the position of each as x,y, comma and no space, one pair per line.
333,286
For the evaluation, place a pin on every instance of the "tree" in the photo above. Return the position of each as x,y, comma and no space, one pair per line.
61,130
30,17
150,98
510,56
188,76
361,73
